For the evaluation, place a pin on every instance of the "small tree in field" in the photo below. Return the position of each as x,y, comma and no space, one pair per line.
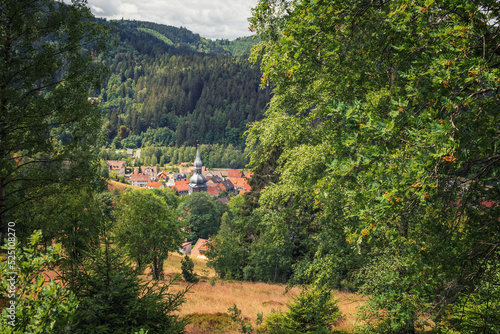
187,266
313,311
146,229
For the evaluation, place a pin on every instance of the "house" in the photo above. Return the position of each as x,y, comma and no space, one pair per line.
235,173
130,151
186,248
213,189
182,188
151,171
214,179
238,182
227,185
120,167
246,188
208,174
162,175
139,180
154,185
199,248
179,176
222,173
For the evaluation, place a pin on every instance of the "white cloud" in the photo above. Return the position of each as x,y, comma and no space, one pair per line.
208,18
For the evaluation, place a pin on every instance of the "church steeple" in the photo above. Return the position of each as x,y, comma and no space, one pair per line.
197,162
197,182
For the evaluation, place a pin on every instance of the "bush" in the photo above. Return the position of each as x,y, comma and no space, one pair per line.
37,306
187,266
313,311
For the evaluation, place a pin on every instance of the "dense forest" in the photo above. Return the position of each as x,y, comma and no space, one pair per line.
181,88
212,156
375,166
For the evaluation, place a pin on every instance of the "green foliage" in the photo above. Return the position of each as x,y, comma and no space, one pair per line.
381,142
187,267
271,256
201,215
157,35
113,299
313,311
213,156
49,128
177,39
226,254
258,247
477,311
72,218
40,305
147,228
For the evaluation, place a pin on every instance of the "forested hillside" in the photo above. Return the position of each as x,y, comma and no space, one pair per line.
180,85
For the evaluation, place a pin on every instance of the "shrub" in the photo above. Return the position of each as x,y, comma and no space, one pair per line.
37,306
187,266
313,311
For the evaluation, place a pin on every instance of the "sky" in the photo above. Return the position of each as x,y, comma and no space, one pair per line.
212,19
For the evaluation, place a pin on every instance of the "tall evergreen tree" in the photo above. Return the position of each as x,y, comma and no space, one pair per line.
48,125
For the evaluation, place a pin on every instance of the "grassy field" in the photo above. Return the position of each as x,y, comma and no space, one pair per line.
210,297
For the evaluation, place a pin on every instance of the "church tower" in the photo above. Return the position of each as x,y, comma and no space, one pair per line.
197,182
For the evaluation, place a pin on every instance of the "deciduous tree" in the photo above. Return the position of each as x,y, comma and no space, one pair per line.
201,215
147,229
386,115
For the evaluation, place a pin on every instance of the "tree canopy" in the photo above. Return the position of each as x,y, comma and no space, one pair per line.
48,126
382,136
147,228
200,215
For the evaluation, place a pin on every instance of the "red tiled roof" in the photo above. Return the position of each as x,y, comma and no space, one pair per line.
234,173
238,182
153,168
199,248
115,162
139,177
154,184
181,187
214,190
181,182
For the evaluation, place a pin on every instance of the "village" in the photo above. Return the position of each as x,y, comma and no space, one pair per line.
219,182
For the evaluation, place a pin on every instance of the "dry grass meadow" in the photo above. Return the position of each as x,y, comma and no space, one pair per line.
118,186
211,296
